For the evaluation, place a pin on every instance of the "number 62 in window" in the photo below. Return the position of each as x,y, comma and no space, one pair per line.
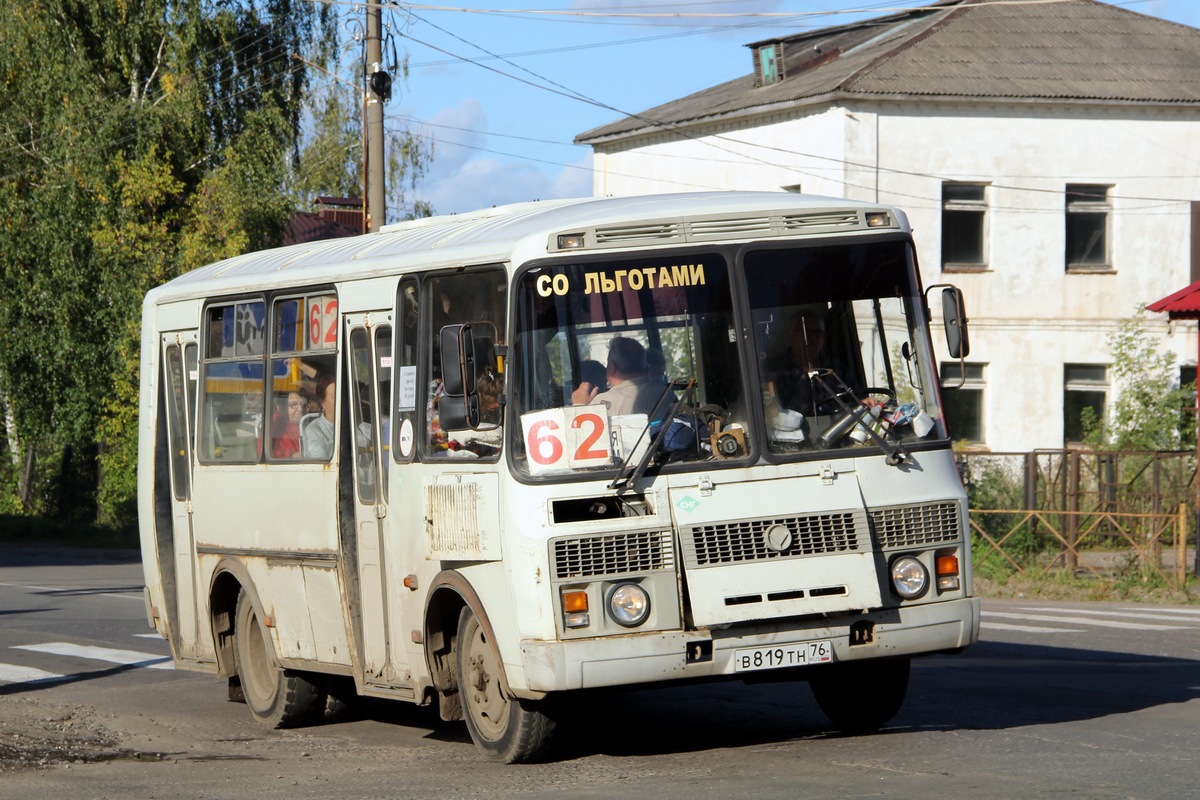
567,438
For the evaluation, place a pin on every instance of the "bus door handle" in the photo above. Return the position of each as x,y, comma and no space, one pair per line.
380,511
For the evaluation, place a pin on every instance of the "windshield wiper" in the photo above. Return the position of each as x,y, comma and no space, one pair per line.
626,479
857,416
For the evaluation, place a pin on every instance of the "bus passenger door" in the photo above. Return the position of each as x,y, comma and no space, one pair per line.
369,369
179,387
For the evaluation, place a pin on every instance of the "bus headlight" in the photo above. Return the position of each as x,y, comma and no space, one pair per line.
628,605
910,579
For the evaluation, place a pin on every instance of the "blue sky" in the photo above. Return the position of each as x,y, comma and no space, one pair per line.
502,88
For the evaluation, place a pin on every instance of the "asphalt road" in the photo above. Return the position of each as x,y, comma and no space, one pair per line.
1089,700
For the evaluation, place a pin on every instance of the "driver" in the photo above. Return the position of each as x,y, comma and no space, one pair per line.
803,352
630,388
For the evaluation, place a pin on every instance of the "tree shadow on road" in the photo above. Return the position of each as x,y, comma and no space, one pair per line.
992,686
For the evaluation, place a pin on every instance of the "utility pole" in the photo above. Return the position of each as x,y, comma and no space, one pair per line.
379,91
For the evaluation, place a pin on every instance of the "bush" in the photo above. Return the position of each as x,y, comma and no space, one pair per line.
991,488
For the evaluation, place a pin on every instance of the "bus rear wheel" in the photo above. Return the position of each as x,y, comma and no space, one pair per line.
503,728
277,697
861,696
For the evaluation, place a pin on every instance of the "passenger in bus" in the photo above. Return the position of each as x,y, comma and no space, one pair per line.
285,427
489,385
317,430
630,389
480,443
592,371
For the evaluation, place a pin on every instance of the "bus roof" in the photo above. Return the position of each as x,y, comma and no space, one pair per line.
492,235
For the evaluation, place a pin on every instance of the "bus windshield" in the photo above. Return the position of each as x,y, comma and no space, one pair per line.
615,358
613,355
843,359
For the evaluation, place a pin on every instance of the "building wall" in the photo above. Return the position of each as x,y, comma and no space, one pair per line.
773,152
1028,315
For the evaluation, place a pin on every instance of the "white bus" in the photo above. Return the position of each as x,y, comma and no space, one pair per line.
490,459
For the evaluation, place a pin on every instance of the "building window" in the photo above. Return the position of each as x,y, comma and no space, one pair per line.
768,64
1187,413
963,406
1085,396
964,226
1088,212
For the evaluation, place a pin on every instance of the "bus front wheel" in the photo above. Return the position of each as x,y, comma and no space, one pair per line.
503,728
277,697
861,696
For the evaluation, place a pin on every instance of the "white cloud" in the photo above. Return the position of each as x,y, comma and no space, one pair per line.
574,180
464,176
481,183
455,131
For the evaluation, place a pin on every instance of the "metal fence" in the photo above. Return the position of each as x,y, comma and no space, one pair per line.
1104,545
1107,515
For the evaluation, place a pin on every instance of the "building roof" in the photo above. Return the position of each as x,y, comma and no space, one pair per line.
1184,304
352,203
1067,51
305,226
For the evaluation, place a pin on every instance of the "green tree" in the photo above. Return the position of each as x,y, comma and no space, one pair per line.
331,160
138,139
1147,403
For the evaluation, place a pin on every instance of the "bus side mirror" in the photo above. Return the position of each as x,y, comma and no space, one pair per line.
954,316
458,360
454,413
467,350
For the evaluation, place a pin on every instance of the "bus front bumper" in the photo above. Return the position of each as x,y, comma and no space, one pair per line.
682,655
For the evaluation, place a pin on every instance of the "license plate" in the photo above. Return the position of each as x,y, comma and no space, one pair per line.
782,655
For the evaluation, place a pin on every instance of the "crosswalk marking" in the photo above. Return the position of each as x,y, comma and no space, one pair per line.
14,673
1038,619
109,654
1187,612
1154,613
62,589
1080,620
1001,626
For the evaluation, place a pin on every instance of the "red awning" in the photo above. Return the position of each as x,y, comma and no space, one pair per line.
1184,304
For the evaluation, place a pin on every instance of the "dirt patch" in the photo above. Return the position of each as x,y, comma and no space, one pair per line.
36,734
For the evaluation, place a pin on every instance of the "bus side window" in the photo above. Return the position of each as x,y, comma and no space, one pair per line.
303,363
176,430
233,398
471,296
403,424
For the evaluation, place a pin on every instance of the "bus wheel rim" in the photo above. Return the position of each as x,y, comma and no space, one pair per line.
488,706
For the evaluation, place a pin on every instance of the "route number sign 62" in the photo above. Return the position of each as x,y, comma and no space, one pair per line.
559,439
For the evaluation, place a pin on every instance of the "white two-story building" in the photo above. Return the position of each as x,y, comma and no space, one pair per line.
1048,157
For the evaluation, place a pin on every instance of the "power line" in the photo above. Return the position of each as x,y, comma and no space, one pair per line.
566,165
679,130
721,15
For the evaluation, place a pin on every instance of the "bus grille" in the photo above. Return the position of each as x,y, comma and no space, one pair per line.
753,225
834,219
818,534
620,235
915,525
613,554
